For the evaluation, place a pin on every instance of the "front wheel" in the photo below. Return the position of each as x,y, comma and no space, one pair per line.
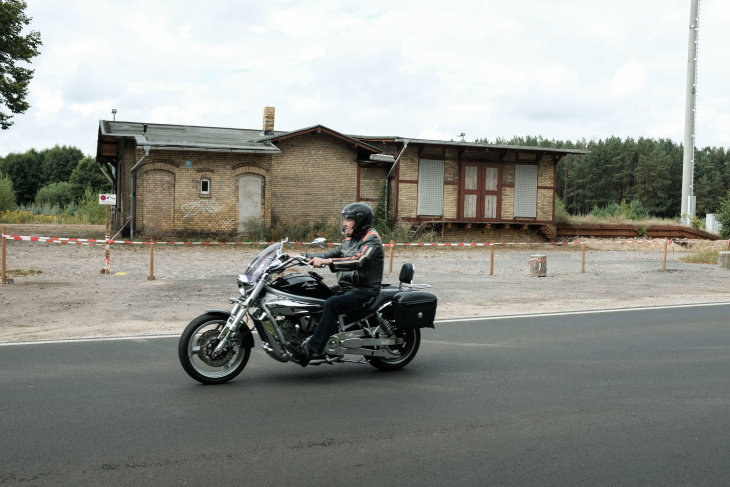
407,350
198,343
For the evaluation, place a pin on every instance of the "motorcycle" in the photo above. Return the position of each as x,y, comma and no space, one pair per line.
283,309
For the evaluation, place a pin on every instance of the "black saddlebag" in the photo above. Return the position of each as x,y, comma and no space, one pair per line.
414,309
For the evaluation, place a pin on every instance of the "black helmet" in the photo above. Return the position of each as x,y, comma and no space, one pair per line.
362,214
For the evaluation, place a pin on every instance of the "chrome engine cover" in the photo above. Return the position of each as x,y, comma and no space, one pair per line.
287,305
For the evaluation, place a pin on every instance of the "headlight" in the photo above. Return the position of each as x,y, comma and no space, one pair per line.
243,284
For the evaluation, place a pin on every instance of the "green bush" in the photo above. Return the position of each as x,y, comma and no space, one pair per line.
89,208
306,232
383,220
87,175
723,215
561,213
7,193
632,211
54,194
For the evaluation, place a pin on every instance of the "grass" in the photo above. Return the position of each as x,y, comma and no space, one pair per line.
620,220
704,257
20,272
32,217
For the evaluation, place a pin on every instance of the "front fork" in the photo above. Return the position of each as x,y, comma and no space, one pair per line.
237,314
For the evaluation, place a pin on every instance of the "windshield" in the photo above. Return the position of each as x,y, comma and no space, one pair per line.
262,261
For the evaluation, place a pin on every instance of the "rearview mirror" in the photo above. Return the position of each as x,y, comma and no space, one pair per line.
320,242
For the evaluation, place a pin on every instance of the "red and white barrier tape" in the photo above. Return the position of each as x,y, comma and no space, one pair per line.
90,241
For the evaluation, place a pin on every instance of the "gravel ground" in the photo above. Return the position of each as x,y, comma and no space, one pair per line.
59,293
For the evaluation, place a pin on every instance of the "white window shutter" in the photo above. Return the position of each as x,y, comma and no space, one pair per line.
430,187
525,190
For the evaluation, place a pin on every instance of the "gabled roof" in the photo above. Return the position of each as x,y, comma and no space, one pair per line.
219,139
321,129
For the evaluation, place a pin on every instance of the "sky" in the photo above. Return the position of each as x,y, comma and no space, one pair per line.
565,70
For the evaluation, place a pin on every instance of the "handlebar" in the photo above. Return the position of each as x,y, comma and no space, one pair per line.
290,262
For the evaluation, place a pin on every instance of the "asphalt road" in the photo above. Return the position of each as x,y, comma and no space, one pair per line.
612,398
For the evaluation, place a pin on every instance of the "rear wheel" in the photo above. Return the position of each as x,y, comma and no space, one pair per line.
198,343
406,350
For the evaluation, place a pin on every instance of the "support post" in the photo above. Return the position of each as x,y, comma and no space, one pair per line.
664,264
491,259
4,276
392,251
152,262
583,259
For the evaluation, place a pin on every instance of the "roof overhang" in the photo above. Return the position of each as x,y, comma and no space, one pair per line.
179,138
463,147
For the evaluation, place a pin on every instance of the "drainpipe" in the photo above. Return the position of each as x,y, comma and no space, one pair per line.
392,168
133,192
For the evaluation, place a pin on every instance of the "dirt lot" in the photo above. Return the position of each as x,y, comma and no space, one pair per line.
59,293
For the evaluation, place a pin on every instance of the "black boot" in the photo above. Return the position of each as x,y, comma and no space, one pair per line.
303,353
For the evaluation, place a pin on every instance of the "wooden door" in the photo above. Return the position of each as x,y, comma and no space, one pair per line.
250,197
479,196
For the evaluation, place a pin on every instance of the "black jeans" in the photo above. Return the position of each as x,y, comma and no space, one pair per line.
333,308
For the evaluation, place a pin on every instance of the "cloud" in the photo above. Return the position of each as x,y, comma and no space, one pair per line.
567,70
631,78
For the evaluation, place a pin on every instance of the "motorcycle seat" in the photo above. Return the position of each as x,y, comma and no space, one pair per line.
387,292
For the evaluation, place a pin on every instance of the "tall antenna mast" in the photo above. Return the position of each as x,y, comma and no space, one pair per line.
688,163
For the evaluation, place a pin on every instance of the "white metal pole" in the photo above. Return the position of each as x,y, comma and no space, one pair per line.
689,119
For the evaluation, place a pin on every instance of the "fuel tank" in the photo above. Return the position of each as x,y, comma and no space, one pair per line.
304,285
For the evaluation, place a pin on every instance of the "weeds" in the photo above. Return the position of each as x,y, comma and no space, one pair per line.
631,211
21,272
704,257
87,212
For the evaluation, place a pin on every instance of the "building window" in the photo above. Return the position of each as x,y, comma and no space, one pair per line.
205,186
430,187
525,190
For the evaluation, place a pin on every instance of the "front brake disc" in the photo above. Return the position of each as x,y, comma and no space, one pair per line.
207,343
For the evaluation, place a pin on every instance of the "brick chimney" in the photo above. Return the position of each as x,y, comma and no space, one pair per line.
269,113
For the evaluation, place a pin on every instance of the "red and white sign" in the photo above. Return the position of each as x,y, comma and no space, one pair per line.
107,199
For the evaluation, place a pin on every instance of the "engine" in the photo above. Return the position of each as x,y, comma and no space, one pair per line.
299,330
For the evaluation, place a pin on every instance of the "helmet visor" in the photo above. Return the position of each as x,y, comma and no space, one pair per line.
347,225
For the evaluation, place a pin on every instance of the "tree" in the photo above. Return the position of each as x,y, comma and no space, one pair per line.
87,174
59,163
54,194
25,172
652,181
15,47
7,193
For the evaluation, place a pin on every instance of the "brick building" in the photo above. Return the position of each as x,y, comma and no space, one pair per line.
172,178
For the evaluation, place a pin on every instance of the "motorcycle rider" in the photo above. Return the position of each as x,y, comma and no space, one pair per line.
358,262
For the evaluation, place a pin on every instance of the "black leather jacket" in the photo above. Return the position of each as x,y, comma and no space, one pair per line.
358,262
